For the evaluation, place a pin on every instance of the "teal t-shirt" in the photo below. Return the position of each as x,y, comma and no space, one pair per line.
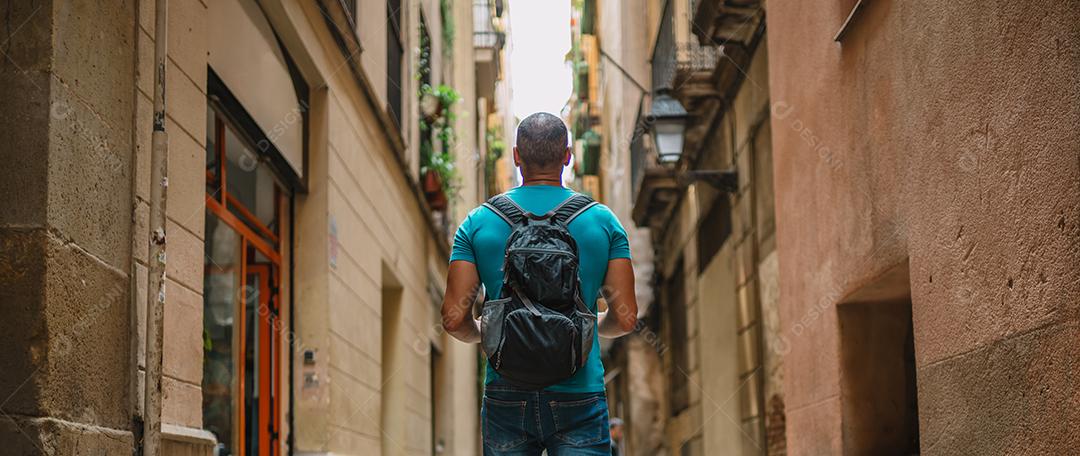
481,240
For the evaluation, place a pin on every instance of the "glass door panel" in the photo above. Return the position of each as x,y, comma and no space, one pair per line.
243,332
222,284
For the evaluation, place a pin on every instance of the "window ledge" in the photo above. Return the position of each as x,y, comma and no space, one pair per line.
183,434
849,22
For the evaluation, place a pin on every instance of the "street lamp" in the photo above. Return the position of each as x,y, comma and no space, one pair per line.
668,127
669,119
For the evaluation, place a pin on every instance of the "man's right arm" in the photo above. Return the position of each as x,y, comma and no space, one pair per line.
462,285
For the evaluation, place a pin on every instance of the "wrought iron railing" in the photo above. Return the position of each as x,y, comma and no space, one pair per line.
488,39
485,35
672,57
695,57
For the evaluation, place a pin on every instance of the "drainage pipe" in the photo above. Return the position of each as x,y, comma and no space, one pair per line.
155,289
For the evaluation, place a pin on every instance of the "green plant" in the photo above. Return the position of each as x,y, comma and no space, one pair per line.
496,147
442,163
443,122
441,125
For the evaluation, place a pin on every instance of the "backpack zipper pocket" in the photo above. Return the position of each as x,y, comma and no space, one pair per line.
536,250
499,352
573,352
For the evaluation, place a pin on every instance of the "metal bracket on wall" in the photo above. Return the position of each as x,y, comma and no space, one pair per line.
723,180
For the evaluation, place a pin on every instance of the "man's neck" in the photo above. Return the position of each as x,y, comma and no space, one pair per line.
542,180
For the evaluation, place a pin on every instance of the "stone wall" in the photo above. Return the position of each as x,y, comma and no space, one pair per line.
67,85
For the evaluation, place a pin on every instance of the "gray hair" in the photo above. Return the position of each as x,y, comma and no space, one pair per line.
542,140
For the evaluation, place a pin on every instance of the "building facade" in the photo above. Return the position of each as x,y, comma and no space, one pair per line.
711,214
866,243
611,76
926,195
317,153
695,377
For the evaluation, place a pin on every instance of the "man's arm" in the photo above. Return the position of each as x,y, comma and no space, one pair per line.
618,289
462,284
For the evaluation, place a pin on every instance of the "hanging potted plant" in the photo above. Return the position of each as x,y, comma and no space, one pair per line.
429,105
439,178
435,103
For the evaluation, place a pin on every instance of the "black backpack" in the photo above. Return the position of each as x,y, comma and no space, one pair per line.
539,331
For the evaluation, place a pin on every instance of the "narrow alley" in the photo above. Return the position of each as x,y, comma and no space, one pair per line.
227,225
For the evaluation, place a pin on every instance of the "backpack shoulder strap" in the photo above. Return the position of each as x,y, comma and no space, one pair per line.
574,206
506,209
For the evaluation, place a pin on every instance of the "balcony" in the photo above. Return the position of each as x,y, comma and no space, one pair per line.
684,68
701,72
488,40
728,22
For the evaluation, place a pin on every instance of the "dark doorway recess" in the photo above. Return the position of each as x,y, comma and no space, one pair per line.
879,393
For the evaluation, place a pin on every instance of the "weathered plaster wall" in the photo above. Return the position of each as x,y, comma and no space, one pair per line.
945,133
66,85
720,365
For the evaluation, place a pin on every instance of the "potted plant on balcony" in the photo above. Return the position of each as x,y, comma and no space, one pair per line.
439,178
435,103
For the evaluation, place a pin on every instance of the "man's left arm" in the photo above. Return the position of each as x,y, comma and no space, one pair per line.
618,290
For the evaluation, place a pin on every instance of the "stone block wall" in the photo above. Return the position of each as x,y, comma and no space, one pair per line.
66,82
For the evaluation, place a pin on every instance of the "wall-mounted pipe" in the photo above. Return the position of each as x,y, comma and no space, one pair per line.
155,289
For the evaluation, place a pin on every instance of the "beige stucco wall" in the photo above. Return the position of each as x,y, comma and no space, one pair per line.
386,260
719,364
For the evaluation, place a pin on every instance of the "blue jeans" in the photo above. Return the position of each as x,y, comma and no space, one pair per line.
518,422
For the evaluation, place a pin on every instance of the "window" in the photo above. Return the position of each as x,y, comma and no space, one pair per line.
675,302
714,231
242,329
394,51
441,406
396,353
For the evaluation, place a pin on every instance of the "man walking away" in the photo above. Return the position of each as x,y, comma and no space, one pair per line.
543,253
616,427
